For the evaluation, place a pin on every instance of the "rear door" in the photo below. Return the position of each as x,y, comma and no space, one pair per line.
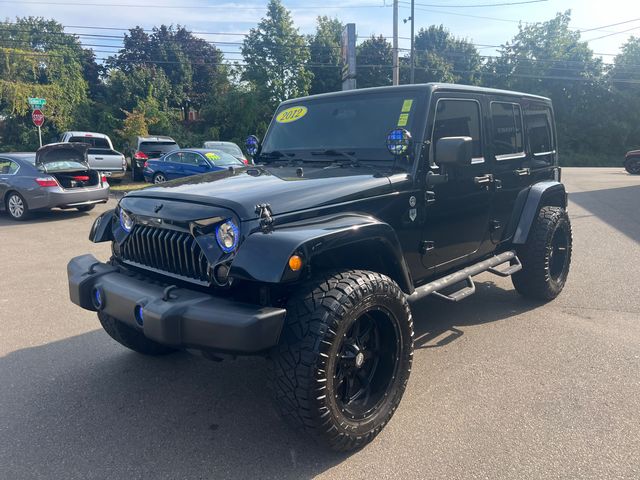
457,210
170,165
8,168
540,139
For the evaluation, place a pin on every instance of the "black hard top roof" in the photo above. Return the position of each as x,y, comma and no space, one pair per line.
428,87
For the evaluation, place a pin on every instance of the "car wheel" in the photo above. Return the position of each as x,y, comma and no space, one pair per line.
16,206
632,165
85,208
159,178
546,257
132,338
344,357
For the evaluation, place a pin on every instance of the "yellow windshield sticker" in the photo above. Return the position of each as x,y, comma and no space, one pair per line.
406,106
402,121
213,156
291,114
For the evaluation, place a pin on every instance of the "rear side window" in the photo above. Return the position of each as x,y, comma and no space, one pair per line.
458,118
158,147
508,138
93,141
7,167
539,124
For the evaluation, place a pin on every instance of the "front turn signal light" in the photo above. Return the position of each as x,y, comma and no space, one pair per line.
295,262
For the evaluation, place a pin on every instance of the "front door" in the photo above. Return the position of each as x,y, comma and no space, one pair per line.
458,206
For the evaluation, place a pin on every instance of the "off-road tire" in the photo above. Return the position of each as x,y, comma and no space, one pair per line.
131,338
85,208
540,278
319,316
632,165
10,208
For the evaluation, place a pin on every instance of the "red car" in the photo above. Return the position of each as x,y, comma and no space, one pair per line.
632,162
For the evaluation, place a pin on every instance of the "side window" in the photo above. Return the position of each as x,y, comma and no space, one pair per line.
459,118
8,167
540,130
174,157
508,138
190,158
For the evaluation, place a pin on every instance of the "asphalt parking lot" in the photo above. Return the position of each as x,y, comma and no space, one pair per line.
501,387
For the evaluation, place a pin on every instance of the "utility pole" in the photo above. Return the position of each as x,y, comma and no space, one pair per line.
396,65
412,55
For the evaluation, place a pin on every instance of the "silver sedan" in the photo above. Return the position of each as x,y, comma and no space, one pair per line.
56,176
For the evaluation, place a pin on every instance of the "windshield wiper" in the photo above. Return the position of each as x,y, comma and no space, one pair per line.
337,153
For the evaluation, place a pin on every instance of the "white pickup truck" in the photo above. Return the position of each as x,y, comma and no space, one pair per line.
101,154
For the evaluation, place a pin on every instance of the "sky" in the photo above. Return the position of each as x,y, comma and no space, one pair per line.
225,21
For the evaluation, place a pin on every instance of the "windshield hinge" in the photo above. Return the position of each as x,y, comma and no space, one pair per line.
263,211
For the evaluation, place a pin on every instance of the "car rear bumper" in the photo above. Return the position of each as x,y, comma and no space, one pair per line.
59,197
114,173
180,317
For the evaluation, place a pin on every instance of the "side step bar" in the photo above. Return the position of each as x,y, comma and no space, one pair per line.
488,265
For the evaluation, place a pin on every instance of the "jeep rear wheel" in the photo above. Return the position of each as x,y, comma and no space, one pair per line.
344,357
132,338
546,257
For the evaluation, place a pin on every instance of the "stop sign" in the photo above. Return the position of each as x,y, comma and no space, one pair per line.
38,118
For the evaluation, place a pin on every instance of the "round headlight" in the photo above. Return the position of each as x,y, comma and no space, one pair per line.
398,141
126,222
227,236
252,145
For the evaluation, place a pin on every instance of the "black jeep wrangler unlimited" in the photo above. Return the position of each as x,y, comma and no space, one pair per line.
359,201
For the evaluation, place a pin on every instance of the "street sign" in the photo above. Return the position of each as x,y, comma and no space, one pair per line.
37,103
38,118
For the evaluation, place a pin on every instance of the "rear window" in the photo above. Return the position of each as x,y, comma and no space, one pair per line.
158,147
93,141
508,139
540,130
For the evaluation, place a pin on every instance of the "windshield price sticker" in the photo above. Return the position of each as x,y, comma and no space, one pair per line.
404,113
213,156
406,106
291,114
404,118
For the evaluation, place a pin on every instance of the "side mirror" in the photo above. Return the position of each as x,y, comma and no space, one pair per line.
252,145
454,151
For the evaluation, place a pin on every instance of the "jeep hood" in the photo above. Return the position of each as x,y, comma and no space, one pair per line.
243,189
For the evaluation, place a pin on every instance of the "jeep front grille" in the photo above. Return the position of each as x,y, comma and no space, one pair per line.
166,250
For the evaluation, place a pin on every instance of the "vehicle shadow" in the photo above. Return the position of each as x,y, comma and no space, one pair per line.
437,322
45,216
617,207
85,407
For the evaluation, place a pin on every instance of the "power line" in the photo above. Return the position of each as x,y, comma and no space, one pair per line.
478,5
611,34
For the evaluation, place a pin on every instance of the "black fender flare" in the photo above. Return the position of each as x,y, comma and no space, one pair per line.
264,257
101,230
528,204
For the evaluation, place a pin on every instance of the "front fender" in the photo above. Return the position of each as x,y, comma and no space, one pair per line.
263,257
101,230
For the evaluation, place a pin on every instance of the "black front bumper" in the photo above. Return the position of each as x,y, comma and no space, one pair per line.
180,318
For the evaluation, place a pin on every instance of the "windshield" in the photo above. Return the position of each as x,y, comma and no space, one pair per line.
222,159
356,124
227,147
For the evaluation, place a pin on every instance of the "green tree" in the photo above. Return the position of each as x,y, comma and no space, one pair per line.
441,57
275,55
325,50
374,63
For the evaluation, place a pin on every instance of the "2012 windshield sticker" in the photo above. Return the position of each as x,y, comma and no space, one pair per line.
291,114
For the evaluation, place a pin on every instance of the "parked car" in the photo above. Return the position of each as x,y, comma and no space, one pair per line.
632,162
186,162
360,201
56,176
227,147
101,155
149,148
